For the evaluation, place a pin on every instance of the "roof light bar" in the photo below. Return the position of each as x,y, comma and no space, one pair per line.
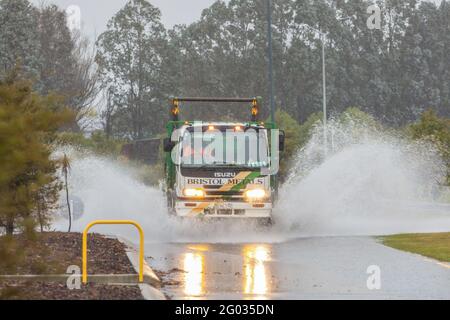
175,111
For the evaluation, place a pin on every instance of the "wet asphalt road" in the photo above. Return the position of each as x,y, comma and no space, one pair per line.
311,268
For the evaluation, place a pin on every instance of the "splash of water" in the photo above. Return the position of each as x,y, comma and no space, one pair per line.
369,183
109,190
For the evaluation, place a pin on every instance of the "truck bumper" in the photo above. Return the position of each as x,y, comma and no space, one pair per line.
225,210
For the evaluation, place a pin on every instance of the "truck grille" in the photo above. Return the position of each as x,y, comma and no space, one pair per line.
214,192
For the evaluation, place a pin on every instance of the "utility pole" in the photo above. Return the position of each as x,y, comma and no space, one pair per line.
324,92
324,88
270,50
324,83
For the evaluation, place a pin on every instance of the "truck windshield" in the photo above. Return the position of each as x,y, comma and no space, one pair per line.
227,148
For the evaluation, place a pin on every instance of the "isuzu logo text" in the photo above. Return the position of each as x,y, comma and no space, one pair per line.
224,174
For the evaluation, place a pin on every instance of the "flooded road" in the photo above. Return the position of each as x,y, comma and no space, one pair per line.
363,190
310,268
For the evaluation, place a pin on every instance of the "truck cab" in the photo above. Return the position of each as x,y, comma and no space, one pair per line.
220,170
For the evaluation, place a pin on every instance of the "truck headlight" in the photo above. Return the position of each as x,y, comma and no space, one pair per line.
194,193
255,194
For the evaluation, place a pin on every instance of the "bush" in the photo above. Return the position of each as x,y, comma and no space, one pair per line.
363,119
296,136
98,143
436,130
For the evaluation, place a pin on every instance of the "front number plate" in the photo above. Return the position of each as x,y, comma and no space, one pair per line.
223,206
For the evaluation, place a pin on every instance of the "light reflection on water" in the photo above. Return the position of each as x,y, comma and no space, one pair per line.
201,273
194,276
255,273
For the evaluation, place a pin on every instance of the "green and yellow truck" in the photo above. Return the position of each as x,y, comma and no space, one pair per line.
222,170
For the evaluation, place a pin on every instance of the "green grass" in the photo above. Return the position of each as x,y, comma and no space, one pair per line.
433,245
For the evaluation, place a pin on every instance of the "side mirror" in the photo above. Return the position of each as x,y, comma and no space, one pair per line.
168,145
282,140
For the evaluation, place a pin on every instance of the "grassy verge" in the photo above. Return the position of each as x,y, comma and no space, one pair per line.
433,245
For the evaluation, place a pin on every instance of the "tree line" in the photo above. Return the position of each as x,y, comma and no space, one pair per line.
395,73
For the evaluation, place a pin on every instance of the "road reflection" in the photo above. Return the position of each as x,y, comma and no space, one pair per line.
245,270
194,265
255,273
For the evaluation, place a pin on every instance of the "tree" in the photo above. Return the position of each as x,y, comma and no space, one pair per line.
292,131
19,37
56,50
65,168
57,60
130,55
223,54
83,95
437,131
67,65
28,181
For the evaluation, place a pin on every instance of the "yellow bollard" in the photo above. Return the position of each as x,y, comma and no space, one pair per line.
114,222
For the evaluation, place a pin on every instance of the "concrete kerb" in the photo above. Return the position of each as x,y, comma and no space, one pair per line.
149,288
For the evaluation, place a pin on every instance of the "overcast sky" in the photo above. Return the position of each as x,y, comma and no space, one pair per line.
96,13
